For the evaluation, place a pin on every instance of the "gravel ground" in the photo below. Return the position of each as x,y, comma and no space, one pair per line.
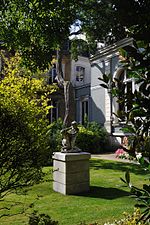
110,156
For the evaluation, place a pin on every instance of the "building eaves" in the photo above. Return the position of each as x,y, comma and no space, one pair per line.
110,49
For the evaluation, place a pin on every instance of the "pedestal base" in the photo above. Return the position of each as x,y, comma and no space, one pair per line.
71,172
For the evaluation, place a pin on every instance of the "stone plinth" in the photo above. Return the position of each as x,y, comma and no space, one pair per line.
71,172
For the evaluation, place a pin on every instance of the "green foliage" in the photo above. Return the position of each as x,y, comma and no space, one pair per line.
143,197
23,140
138,119
93,138
138,116
129,219
41,219
80,47
98,19
112,20
54,136
36,28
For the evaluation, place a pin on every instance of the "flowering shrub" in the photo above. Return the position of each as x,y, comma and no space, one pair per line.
120,153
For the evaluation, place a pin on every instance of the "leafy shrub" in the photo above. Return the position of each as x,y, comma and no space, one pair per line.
41,219
93,138
23,141
129,219
142,195
133,219
53,139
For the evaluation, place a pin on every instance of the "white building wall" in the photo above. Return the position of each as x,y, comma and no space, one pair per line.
106,61
85,63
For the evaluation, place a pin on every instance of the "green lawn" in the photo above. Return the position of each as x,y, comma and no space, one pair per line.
106,201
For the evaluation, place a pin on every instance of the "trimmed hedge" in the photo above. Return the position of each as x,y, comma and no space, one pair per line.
93,138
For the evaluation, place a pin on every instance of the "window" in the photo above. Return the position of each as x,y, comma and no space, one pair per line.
0,63
121,88
84,110
53,111
52,74
80,72
126,86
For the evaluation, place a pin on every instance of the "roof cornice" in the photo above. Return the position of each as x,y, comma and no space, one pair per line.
108,50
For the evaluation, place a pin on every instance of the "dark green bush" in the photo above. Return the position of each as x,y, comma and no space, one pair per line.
54,138
41,219
20,151
93,138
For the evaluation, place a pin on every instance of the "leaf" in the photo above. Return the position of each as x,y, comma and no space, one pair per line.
123,52
104,86
127,177
31,205
140,205
106,78
99,78
123,180
145,215
115,92
116,79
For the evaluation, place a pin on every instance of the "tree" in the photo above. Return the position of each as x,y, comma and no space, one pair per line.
112,20
23,133
138,117
36,28
136,63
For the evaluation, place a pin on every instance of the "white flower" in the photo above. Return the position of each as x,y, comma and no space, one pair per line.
138,155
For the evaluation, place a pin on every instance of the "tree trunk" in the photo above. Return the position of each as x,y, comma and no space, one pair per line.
68,92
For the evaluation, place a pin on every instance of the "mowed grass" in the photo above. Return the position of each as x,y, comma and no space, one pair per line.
106,201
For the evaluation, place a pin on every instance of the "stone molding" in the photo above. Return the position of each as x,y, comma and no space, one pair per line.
110,49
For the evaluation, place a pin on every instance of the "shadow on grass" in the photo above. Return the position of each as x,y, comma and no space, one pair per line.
97,164
105,193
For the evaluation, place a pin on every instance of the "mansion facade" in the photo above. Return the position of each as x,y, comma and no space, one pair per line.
88,97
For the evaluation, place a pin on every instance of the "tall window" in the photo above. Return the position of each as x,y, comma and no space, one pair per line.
0,63
52,74
84,110
53,111
126,86
80,73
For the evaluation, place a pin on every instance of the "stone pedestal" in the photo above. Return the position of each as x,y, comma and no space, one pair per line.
71,172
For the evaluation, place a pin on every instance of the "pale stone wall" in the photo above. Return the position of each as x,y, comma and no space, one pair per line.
71,172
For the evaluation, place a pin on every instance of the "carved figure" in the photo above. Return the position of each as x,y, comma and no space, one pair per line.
69,135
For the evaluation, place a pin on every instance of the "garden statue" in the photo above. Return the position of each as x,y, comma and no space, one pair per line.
69,135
